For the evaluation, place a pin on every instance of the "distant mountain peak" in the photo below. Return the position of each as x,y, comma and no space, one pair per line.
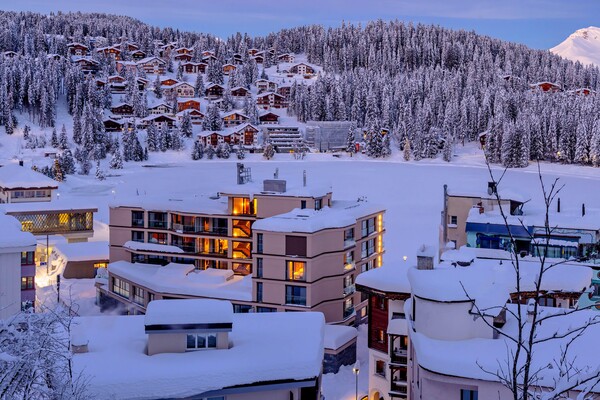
583,45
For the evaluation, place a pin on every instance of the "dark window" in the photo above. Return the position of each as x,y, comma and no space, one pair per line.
295,245
137,236
295,295
466,394
241,308
349,234
453,219
27,258
380,367
259,243
265,309
259,292
137,218
318,204
547,302
157,220
303,204
259,267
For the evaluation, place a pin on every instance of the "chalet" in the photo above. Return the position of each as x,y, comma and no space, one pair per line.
259,59
208,53
234,118
193,67
131,66
117,84
87,65
237,59
214,91
210,138
152,65
268,118
124,109
582,91
110,51
142,83
138,55
253,51
245,134
228,68
210,58
184,50
112,125
264,85
239,92
183,57
165,50
160,108
286,58
284,91
547,87
195,116
160,120
100,83
270,100
54,56
271,51
188,105
9,54
77,49
302,69
181,89
115,79
129,46
168,82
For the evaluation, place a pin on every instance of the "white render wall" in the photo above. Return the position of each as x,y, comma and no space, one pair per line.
10,284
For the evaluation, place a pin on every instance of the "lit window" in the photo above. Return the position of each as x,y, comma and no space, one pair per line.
100,265
296,271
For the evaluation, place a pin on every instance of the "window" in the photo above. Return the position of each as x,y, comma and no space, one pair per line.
467,394
398,315
349,257
137,218
101,265
295,295
157,220
157,238
296,271
27,258
259,267
453,220
241,308
295,245
547,302
201,341
265,309
139,295
137,236
244,206
259,243
380,367
150,297
349,235
348,307
259,292
367,248
381,336
120,287
318,204
303,204
27,283
367,226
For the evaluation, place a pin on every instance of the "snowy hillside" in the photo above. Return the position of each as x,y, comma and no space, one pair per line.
582,46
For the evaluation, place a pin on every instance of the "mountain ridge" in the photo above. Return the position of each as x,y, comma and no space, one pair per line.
583,45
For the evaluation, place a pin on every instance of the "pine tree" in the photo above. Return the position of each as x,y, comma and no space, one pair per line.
350,141
199,86
67,162
85,164
57,171
210,152
157,88
269,151
116,161
99,172
164,142
186,125
224,150
448,147
77,135
176,141
406,149
241,152
386,148
54,139
152,140
63,141
198,150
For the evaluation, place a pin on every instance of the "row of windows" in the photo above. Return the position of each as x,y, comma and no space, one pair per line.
29,194
294,295
201,341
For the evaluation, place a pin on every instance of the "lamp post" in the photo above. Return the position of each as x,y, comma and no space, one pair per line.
356,371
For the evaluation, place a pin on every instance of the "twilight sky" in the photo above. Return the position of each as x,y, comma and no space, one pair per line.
537,23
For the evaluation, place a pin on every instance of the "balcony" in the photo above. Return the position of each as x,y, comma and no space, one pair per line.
181,228
349,266
52,223
399,357
348,290
348,312
213,253
399,387
295,300
137,222
187,248
215,231
349,243
157,224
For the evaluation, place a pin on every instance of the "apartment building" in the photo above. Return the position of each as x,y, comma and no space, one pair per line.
19,184
17,267
269,246
200,349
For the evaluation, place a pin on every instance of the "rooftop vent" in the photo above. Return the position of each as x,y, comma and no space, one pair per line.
274,185
492,189
425,255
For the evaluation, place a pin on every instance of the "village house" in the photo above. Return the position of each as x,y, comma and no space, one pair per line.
194,67
152,65
77,49
168,82
209,59
259,59
237,59
184,50
127,66
153,350
228,68
53,56
122,109
190,104
160,121
109,51
9,54
264,85
245,134
183,57
78,260
547,87
214,91
113,125
233,118
269,100
160,108
302,69
86,64
20,184
195,116
285,58
181,89
284,90
240,92
268,118
138,55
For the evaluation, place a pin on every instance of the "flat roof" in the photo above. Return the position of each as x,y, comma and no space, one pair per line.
341,214
192,205
14,176
11,236
294,188
84,251
265,347
184,279
188,311
54,206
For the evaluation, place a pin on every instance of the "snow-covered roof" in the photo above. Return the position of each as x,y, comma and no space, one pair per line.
148,59
153,247
83,251
341,214
14,176
188,311
260,352
64,205
224,132
153,117
472,357
184,279
293,189
504,193
192,204
233,112
389,278
338,335
11,236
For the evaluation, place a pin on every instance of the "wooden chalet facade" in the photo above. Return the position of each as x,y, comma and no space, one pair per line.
138,55
188,105
112,125
244,134
302,69
181,89
77,49
284,91
240,92
123,109
110,51
183,57
547,87
214,91
159,121
194,67
268,118
127,66
234,118
286,58
264,85
160,108
228,68
270,100
168,82
87,65
152,65
195,116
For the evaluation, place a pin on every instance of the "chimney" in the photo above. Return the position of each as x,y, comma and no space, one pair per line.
21,163
425,256
558,205
583,209
304,178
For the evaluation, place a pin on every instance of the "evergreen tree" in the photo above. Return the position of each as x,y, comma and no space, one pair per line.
186,125
54,139
57,171
199,86
269,151
99,172
241,152
165,139
176,141
210,152
448,147
85,165
350,142
67,162
406,149
157,88
198,150
152,139
116,161
63,141
386,148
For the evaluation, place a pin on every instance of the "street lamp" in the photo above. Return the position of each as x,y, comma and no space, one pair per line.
356,371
